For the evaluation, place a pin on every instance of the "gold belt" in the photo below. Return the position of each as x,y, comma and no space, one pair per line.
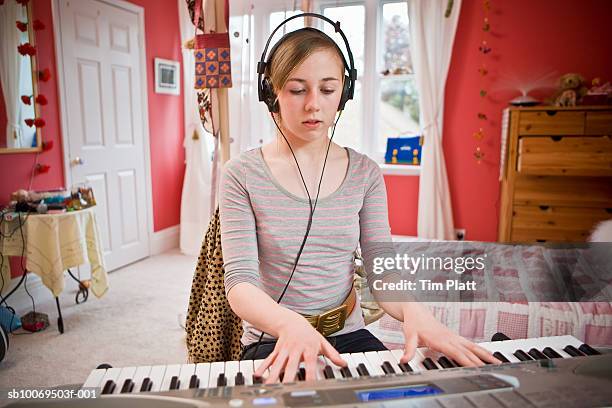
333,320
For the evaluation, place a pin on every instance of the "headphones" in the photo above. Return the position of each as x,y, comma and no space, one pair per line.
265,91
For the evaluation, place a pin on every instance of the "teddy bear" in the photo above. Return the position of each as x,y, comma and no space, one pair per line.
571,90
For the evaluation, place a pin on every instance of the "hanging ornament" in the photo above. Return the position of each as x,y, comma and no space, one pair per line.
47,145
478,155
41,100
483,71
482,116
39,122
486,26
44,75
42,168
21,26
483,93
26,99
26,49
38,25
478,135
484,48
29,122
486,4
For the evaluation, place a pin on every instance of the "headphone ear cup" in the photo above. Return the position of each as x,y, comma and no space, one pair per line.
269,96
346,92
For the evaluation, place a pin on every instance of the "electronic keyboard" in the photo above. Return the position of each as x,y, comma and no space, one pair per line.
374,363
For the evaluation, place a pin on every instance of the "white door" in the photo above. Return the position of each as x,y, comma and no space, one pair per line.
104,120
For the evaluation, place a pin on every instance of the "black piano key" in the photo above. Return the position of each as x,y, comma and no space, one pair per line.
346,373
429,364
239,379
109,387
445,362
537,354
500,357
257,379
146,385
362,370
521,355
174,383
301,374
573,351
387,368
221,380
499,337
194,382
456,363
328,372
128,386
588,350
551,353
405,367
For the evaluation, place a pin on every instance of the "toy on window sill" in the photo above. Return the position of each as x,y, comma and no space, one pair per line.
571,90
404,150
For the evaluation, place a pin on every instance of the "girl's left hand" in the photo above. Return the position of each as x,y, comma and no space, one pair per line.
421,328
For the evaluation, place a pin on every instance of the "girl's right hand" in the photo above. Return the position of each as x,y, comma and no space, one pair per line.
297,342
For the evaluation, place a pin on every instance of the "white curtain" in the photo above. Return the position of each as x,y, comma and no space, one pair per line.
196,197
432,36
10,68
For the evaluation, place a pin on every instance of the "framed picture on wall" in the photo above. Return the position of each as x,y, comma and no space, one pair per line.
167,76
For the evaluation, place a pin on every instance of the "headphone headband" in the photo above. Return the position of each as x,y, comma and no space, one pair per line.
264,91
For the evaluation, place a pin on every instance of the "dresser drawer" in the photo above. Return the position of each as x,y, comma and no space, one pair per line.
569,191
565,155
552,223
599,123
552,123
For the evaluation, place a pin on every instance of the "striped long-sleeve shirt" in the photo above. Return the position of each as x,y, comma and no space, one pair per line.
263,224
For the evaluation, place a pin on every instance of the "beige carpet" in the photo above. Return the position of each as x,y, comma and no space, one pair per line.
135,323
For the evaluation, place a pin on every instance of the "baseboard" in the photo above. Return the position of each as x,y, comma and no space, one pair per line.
21,302
165,240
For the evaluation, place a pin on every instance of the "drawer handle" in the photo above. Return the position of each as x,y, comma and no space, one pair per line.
540,240
544,207
609,210
551,112
556,138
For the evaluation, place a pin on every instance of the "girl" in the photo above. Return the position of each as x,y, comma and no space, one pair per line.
264,211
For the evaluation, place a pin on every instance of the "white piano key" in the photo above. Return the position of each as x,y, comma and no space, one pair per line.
375,363
334,367
95,378
231,369
172,370
111,374
246,368
321,363
187,370
157,376
126,373
352,366
414,363
433,355
360,358
216,368
202,370
141,373
387,355
257,363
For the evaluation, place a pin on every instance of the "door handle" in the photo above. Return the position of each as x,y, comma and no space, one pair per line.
77,161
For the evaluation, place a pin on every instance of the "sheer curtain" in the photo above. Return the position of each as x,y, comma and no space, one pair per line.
432,37
10,69
196,197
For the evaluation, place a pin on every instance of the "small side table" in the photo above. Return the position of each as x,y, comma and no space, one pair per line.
55,243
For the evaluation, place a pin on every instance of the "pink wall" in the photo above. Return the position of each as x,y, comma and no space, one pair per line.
529,39
165,117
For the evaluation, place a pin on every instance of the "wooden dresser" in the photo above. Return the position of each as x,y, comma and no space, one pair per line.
556,175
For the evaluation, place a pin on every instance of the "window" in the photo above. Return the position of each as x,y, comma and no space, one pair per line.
378,32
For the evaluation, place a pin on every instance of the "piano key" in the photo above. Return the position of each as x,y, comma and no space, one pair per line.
551,353
335,369
588,350
194,382
537,354
366,369
172,370
141,373
505,348
110,378
239,379
156,377
388,357
146,385
346,372
362,370
174,383
521,355
573,351
231,369
388,368
127,373
500,357
256,364
128,386
328,372
95,378
246,368
375,362
398,353
430,364
445,362
216,368
185,373
300,374
202,370
221,380
351,365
